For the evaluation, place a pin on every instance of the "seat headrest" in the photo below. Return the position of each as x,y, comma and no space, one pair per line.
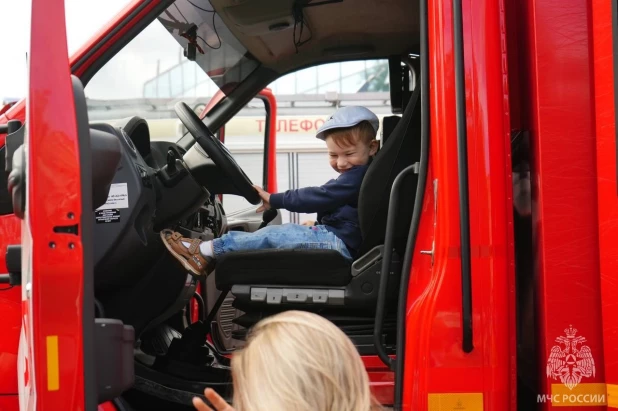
400,150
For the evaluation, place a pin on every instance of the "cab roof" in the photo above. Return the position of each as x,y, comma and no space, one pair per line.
333,30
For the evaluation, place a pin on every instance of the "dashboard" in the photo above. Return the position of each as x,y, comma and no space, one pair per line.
151,189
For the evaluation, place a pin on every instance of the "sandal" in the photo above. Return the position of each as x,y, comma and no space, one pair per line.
189,257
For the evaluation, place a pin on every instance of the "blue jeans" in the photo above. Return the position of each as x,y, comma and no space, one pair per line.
286,236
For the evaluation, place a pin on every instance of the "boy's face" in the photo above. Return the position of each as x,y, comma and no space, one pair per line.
344,157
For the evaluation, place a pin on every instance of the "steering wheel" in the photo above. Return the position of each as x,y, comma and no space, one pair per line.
217,152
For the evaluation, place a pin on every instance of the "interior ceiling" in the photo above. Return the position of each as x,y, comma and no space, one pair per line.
352,29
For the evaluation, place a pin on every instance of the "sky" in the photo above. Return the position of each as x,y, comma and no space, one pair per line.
84,18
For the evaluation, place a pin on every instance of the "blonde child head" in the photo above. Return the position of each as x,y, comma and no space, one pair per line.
301,362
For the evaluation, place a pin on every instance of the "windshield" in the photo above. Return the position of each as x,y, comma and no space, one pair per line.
186,54
206,40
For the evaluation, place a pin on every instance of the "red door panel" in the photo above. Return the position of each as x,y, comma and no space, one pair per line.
51,369
439,374
604,15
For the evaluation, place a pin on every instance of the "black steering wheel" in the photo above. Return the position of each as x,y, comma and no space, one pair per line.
217,152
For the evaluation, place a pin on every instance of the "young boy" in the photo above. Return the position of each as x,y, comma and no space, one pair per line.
350,136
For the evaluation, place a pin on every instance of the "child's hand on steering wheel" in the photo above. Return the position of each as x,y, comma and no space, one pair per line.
215,399
265,196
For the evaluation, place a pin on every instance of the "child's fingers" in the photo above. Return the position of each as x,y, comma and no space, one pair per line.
217,401
263,194
201,405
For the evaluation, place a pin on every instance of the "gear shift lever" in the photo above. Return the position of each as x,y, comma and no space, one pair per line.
268,216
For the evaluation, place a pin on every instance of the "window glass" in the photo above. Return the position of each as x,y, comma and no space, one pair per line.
346,77
154,71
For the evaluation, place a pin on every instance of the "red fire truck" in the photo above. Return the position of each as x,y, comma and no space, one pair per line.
465,296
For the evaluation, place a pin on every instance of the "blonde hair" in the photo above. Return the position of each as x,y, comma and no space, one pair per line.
349,136
298,361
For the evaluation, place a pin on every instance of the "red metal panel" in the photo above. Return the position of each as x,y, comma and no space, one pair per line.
6,108
564,178
10,301
381,379
606,179
107,406
10,309
382,386
53,266
434,357
10,325
272,137
214,100
9,403
435,361
491,206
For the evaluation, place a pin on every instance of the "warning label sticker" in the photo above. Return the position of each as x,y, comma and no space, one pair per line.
107,216
118,197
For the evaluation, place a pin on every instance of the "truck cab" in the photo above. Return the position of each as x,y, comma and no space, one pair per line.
458,295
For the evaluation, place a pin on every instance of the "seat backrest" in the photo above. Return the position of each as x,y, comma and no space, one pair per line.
401,149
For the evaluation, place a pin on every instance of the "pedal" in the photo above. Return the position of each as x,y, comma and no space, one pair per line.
191,346
240,335
248,320
159,340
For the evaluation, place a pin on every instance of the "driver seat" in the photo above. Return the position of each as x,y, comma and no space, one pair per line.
316,279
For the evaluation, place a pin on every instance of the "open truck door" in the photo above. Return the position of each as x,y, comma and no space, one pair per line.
49,193
51,188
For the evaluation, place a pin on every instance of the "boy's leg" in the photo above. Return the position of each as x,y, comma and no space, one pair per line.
287,236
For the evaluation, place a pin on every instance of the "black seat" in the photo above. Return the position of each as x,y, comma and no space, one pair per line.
323,276
388,125
275,266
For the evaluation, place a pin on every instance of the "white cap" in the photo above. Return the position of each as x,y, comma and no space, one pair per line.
348,117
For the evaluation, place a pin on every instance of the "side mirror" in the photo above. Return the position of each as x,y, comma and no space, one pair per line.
17,182
14,168
6,105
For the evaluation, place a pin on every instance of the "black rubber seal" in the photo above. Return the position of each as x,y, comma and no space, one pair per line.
462,169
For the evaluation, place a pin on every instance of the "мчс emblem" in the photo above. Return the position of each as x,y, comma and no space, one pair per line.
570,360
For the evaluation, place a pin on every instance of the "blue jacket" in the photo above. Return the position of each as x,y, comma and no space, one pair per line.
336,204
